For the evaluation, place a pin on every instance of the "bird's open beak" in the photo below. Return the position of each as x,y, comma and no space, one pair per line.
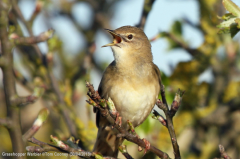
116,38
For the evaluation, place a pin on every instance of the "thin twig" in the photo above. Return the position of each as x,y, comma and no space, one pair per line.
62,106
164,106
123,150
23,101
62,147
33,39
41,118
147,7
160,118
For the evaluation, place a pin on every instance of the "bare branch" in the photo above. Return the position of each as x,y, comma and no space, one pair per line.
61,147
17,12
3,60
38,8
164,106
38,149
32,40
147,7
159,117
9,84
42,117
6,122
123,150
62,105
193,52
23,101
176,103
44,146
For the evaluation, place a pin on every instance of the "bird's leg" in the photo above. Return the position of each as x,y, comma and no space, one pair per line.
147,145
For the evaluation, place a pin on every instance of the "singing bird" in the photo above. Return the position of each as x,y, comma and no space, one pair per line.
132,81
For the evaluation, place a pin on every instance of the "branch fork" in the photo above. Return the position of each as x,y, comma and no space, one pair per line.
100,104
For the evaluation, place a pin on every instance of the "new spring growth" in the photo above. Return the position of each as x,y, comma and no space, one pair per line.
38,92
42,117
231,20
140,148
71,142
122,148
91,102
177,100
111,106
39,6
48,34
102,103
131,127
159,117
58,142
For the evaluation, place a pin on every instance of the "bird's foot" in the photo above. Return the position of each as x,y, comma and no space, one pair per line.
147,145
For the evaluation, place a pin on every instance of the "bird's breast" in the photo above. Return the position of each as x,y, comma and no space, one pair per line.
134,100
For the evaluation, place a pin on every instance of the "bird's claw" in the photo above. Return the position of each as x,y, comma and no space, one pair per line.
147,145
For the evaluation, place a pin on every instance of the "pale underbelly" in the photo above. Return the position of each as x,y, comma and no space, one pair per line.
134,104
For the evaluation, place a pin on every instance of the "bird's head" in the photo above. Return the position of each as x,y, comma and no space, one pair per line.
130,42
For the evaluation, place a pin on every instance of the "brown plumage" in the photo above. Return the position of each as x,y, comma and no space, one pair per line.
132,81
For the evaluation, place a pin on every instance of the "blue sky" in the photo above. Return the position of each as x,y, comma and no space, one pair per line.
161,17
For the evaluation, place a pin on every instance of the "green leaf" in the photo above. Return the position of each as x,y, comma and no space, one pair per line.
227,16
234,30
176,28
224,31
226,24
238,22
43,114
231,7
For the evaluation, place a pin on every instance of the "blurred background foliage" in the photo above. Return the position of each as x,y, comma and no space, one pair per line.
210,111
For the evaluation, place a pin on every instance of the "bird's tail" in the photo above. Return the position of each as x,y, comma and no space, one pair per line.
107,142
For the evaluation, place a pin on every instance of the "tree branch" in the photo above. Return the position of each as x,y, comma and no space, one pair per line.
169,116
193,52
123,150
70,148
63,108
147,7
23,101
42,117
18,13
3,60
33,39
96,101
9,83
159,117
6,122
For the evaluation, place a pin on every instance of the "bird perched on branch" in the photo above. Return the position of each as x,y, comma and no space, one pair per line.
132,81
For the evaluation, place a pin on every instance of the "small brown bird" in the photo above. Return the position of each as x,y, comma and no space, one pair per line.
132,81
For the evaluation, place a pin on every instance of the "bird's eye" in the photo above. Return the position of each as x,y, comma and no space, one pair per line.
130,36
